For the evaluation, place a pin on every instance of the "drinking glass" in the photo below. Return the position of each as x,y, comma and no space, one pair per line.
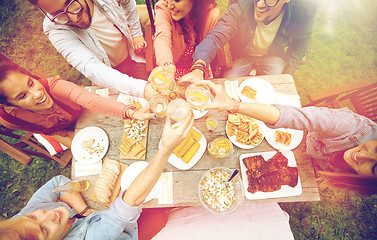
211,123
220,147
162,81
198,95
158,103
178,109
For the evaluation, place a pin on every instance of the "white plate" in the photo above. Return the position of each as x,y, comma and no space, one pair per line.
265,91
180,164
101,143
198,114
129,100
129,175
285,191
296,139
245,146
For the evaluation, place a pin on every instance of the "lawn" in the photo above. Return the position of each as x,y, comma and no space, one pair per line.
342,49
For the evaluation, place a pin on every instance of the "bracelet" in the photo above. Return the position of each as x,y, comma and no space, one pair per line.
236,107
84,211
169,63
127,115
198,66
200,62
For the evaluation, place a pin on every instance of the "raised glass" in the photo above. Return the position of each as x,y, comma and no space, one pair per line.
158,103
178,109
198,95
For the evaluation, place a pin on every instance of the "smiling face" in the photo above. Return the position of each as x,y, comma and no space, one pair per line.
266,14
363,158
82,20
180,8
25,92
49,224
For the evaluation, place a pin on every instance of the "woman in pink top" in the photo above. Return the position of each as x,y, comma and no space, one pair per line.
180,26
51,106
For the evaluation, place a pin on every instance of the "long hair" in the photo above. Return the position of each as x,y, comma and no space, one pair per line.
347,179
17,229
349,182
199,13
5,69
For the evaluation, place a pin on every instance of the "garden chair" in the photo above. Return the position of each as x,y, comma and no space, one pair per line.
24,148
361,95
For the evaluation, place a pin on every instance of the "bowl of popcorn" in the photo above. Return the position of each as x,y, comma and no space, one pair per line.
219,195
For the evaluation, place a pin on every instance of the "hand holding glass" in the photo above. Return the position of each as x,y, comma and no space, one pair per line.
198,95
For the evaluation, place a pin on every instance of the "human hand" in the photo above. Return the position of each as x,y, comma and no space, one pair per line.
222,101
144,113
139,43
192,77
88,212
172,137
149,91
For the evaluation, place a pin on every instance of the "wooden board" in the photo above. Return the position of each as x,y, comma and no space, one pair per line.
116,189
135,144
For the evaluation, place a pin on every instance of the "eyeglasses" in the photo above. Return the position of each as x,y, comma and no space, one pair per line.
74,7
270,3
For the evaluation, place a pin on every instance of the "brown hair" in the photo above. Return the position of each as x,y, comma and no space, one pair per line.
17,229
5,69
349,182
199,13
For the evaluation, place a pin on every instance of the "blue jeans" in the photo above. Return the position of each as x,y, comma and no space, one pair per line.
264,65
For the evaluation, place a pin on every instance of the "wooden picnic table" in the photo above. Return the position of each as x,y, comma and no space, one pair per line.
185,182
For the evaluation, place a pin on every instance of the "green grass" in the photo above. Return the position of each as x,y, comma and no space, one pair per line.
342,49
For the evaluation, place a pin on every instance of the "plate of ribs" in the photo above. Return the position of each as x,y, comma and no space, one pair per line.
270,175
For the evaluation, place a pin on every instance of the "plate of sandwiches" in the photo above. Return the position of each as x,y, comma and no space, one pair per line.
270,175
243,131
189,151
130,174
256,90
283,138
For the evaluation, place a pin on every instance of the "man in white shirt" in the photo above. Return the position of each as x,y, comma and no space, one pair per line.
100,38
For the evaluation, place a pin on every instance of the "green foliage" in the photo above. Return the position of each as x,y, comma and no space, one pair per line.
342,49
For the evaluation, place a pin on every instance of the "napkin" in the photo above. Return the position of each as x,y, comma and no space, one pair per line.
85,169
165,195
231,88
287,99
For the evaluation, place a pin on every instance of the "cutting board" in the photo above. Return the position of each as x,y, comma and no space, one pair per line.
116,189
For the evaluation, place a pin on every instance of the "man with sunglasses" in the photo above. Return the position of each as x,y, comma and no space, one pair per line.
100,38
258,31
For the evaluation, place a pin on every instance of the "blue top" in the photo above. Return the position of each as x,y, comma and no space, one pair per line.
118,222
238,26
329,130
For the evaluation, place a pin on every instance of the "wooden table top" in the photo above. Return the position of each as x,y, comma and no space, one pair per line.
185,182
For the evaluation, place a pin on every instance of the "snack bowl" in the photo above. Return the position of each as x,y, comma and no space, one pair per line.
218,195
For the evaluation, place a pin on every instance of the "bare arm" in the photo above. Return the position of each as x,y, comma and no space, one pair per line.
144,183
266,113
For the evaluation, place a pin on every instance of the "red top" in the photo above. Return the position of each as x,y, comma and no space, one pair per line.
69,99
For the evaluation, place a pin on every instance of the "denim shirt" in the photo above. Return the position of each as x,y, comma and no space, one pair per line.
329,130
238,26
118,222
81,48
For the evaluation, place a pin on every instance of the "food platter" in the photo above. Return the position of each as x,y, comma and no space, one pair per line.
96,147
285,191
296,138
180,164
129,175
265,92
242,145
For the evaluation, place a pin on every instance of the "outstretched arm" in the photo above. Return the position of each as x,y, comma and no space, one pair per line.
144,183
266,113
